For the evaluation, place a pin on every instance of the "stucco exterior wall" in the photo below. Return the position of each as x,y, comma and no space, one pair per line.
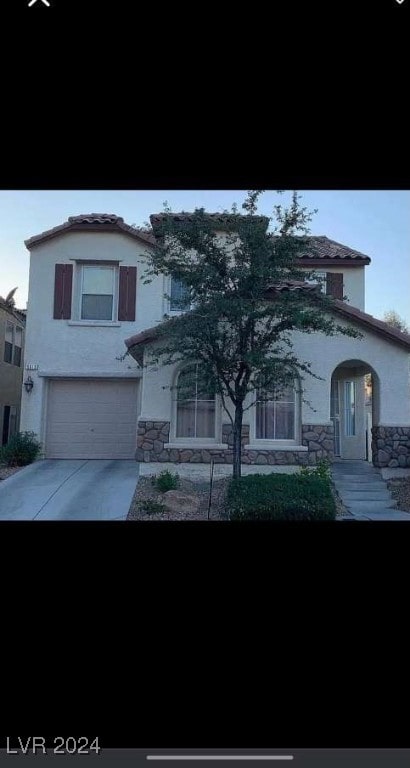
353,283
389,361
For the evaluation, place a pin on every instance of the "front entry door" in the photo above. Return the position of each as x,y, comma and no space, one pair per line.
347,414
335,413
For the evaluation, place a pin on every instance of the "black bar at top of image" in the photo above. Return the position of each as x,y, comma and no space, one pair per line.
372,10
377,7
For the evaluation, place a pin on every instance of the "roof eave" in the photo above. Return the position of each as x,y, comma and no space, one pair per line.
20,316
335,262
68,227
220,221
137,353
137,343
376,326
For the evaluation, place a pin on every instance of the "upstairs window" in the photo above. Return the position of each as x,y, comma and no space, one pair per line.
13,344
103,292
179,293
97,293
319,278
8,346
331,283
18,343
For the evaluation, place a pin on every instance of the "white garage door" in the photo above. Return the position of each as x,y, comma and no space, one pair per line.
91,419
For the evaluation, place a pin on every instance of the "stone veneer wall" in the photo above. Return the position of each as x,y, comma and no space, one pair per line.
320,441
391,446
153,434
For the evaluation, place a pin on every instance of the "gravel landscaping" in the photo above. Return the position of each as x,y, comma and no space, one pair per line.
400,490
6,472
200,489
145,490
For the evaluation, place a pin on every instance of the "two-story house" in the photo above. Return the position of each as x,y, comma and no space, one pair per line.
12,324
87,295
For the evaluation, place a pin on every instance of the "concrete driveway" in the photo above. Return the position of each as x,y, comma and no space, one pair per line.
55,489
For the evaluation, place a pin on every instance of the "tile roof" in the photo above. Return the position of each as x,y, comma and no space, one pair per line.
156,219
150,334
95,222
139,340
292,285
368,321
322,247
18,314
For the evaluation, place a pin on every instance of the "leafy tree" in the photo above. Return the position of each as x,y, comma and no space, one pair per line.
393,318
9,301
246,291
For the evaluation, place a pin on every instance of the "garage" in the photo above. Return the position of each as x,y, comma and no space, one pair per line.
91,419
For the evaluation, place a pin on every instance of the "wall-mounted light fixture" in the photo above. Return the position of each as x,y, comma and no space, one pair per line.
29,384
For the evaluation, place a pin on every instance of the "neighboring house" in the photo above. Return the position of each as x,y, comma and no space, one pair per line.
86,295
12,324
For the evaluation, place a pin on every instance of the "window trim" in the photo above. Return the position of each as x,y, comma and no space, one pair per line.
18,346
180,442
14,346
281,443
175,311
8,326
78,293
323,280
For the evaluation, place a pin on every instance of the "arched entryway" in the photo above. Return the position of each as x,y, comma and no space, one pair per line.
354,408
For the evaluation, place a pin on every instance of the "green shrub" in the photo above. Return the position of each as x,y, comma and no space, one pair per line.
20,450
322,469
281,497
166,481
151,507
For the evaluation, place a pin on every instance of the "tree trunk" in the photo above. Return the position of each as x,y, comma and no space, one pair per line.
237,440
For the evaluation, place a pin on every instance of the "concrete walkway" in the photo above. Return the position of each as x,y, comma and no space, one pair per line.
364,492
56,489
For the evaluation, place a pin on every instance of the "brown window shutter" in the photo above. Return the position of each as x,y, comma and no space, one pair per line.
63,285
127,293
334,285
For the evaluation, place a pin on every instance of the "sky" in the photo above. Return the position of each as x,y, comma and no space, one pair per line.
377,223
